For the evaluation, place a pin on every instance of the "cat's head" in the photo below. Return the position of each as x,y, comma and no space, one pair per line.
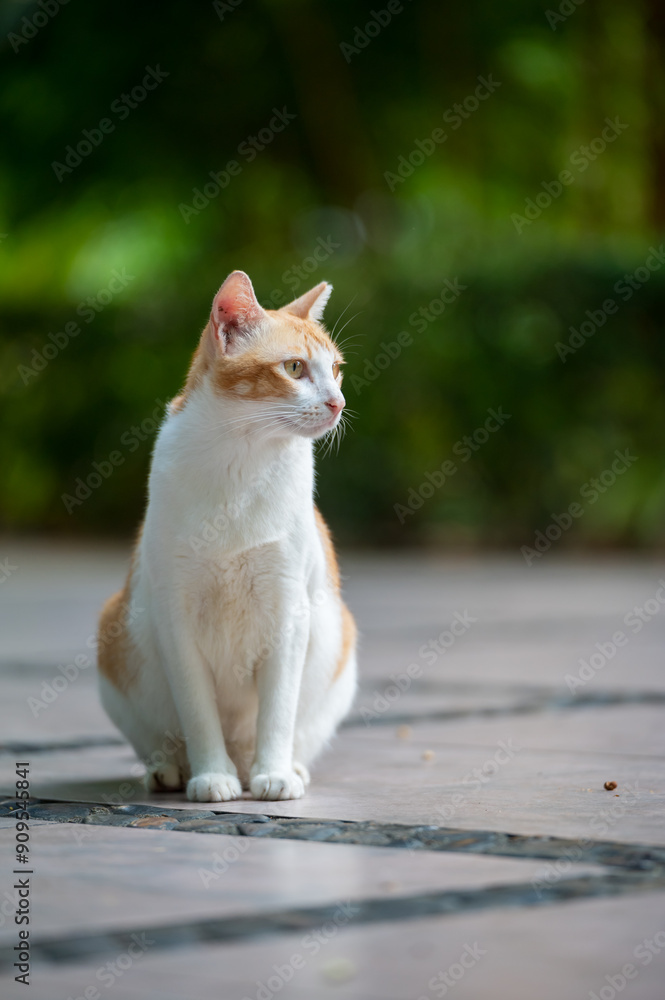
279,368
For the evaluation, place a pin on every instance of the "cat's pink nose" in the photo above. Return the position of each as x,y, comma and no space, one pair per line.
335,406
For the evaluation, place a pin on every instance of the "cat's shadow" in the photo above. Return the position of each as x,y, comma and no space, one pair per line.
116,792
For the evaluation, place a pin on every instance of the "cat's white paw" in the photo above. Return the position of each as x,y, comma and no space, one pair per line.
168,778
277,785
213,787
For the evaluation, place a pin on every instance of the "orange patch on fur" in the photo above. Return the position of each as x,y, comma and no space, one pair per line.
253,377
198,368
113,642
328,549
349,633
177,403
349,630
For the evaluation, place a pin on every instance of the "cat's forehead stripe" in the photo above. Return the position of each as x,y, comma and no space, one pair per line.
303,336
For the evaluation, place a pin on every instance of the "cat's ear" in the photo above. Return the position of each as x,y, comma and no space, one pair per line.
311,304
235,311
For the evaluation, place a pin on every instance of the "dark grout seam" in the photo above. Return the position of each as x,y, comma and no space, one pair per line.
549,702
645,859
93,945
83,743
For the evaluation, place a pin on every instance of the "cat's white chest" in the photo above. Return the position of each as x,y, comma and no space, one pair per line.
233,599
234,535
233,505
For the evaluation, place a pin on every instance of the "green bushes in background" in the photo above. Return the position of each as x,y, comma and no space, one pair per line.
499,263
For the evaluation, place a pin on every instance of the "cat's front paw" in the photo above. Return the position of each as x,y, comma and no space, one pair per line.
213,787
277,785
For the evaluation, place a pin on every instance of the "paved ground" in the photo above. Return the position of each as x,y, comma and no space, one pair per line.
457,835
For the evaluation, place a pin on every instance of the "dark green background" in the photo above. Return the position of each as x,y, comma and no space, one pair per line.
323,177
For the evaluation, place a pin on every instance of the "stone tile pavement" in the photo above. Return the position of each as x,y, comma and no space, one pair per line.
456,836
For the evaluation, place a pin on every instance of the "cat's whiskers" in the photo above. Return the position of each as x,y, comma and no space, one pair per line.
339,318
254,423
342,345
249,418
346,324
269,407
336,433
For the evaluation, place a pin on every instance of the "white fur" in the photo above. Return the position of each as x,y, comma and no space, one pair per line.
234,623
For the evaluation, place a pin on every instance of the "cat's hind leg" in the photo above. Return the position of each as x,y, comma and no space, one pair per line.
166,778
157,743
320,713
136,697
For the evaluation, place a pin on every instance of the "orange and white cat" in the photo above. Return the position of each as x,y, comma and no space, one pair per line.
231,633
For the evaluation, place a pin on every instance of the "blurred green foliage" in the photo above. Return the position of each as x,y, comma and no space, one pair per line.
331,176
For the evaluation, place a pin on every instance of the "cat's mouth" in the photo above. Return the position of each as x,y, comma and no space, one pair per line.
316,429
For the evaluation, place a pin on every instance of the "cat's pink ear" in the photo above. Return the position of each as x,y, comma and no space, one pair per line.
311,304
235,310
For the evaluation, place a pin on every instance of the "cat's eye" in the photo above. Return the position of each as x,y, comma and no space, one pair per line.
336,369
294,368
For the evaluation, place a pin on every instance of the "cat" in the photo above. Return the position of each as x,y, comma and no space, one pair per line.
229,658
